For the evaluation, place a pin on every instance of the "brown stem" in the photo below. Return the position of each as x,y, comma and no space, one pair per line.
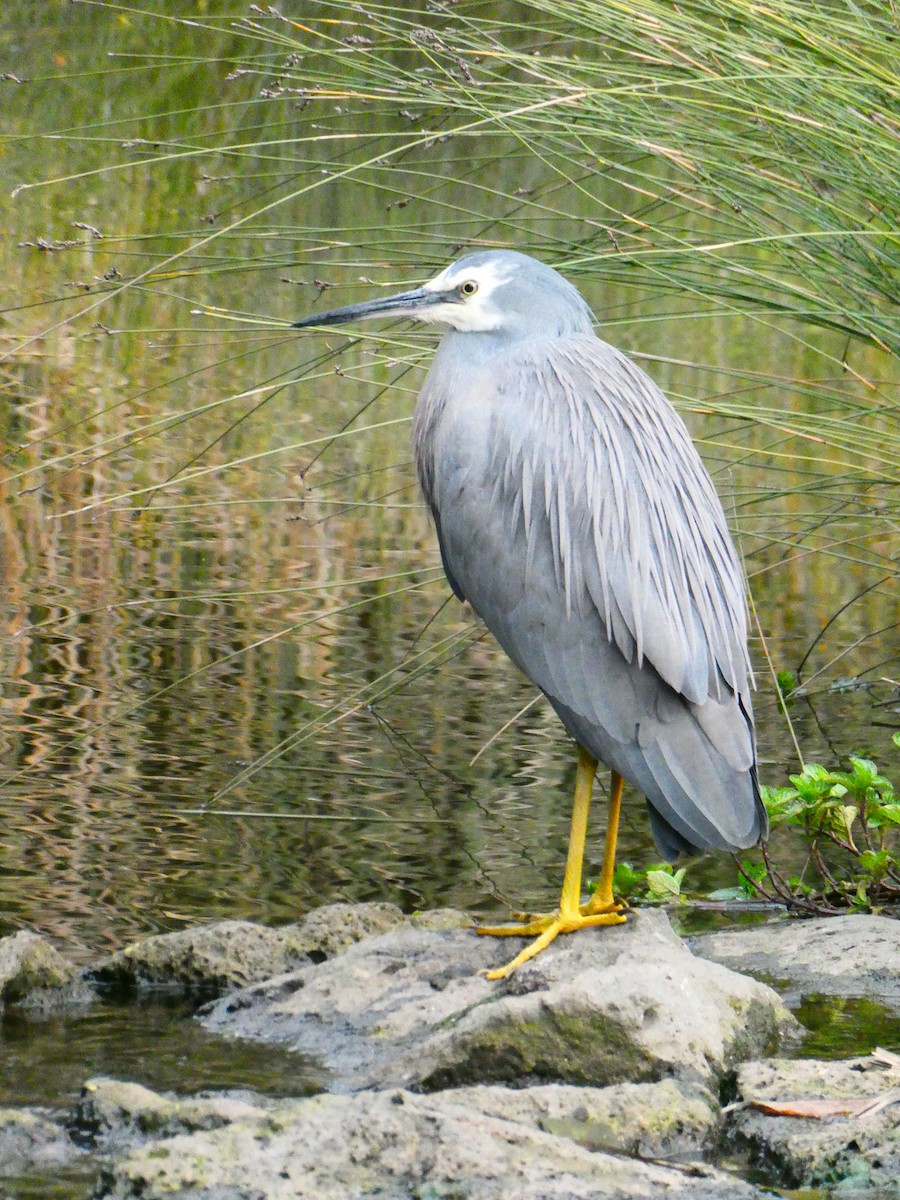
817,906
822,868
756,884
783,891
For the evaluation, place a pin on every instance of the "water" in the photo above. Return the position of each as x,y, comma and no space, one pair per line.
289,601
838,1026
162,641
45,1061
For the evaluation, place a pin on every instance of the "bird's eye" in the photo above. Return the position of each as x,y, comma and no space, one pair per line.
469,288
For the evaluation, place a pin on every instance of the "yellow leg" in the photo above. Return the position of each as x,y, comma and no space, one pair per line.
571,914
602,899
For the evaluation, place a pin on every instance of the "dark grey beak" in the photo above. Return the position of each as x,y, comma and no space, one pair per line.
407,304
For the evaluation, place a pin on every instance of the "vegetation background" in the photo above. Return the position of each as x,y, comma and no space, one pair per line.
220,588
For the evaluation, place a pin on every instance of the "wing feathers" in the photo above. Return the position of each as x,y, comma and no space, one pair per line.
577,519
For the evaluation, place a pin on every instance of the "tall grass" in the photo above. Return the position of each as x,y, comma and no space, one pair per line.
757,146
727,160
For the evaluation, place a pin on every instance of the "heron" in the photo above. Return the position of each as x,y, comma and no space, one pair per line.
575,517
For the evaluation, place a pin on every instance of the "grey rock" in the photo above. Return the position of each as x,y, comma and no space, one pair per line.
852,1153
397,1146
409,1008
113,1113
33,1140
649,1120
31,970
855,955
229,954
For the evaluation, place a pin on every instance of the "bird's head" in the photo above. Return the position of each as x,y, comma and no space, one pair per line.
492,291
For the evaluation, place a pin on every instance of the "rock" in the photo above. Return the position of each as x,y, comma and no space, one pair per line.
30,969
397,1146
855,955
649,1120
114,1113
228,954
852,1152
32,1140
408,1008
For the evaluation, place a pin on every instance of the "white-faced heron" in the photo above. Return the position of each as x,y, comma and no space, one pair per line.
576,518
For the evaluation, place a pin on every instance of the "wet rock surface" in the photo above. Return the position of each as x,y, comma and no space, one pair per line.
228,954
409,1008
484,1141
396,1145
33,972
114,1113
854,955
651,1120
33,1140
857,1152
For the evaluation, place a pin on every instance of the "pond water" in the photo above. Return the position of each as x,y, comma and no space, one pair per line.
233,684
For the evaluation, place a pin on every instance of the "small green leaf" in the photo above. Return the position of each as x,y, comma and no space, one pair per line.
812,772
663,885
876,862
625,879
782,804
729,893
796,884
787,682
866,774
752,873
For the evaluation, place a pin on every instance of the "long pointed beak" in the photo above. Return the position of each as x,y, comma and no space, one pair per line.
406,304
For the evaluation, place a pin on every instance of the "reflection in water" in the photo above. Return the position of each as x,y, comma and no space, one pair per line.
153,661
841,1025
153,1042
198,575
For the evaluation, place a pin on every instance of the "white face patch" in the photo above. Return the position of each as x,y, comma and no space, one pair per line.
470,314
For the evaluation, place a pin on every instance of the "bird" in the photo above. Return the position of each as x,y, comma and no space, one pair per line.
575,517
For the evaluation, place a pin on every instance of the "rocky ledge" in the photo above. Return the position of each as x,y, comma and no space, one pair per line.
854,955
596,1071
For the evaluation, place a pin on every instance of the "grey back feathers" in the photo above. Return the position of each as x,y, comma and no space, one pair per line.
576,518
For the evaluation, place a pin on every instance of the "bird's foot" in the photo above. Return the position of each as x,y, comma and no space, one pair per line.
538,922
544,928
601,904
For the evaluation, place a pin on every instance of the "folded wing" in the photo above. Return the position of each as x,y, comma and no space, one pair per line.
577,519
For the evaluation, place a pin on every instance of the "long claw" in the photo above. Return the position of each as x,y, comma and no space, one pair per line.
528,924
597,905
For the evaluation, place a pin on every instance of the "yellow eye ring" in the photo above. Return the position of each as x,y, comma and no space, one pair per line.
469,288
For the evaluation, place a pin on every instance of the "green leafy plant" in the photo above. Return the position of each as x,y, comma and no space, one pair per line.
849,821
658,883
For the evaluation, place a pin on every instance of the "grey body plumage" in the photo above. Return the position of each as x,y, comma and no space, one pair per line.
576,518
